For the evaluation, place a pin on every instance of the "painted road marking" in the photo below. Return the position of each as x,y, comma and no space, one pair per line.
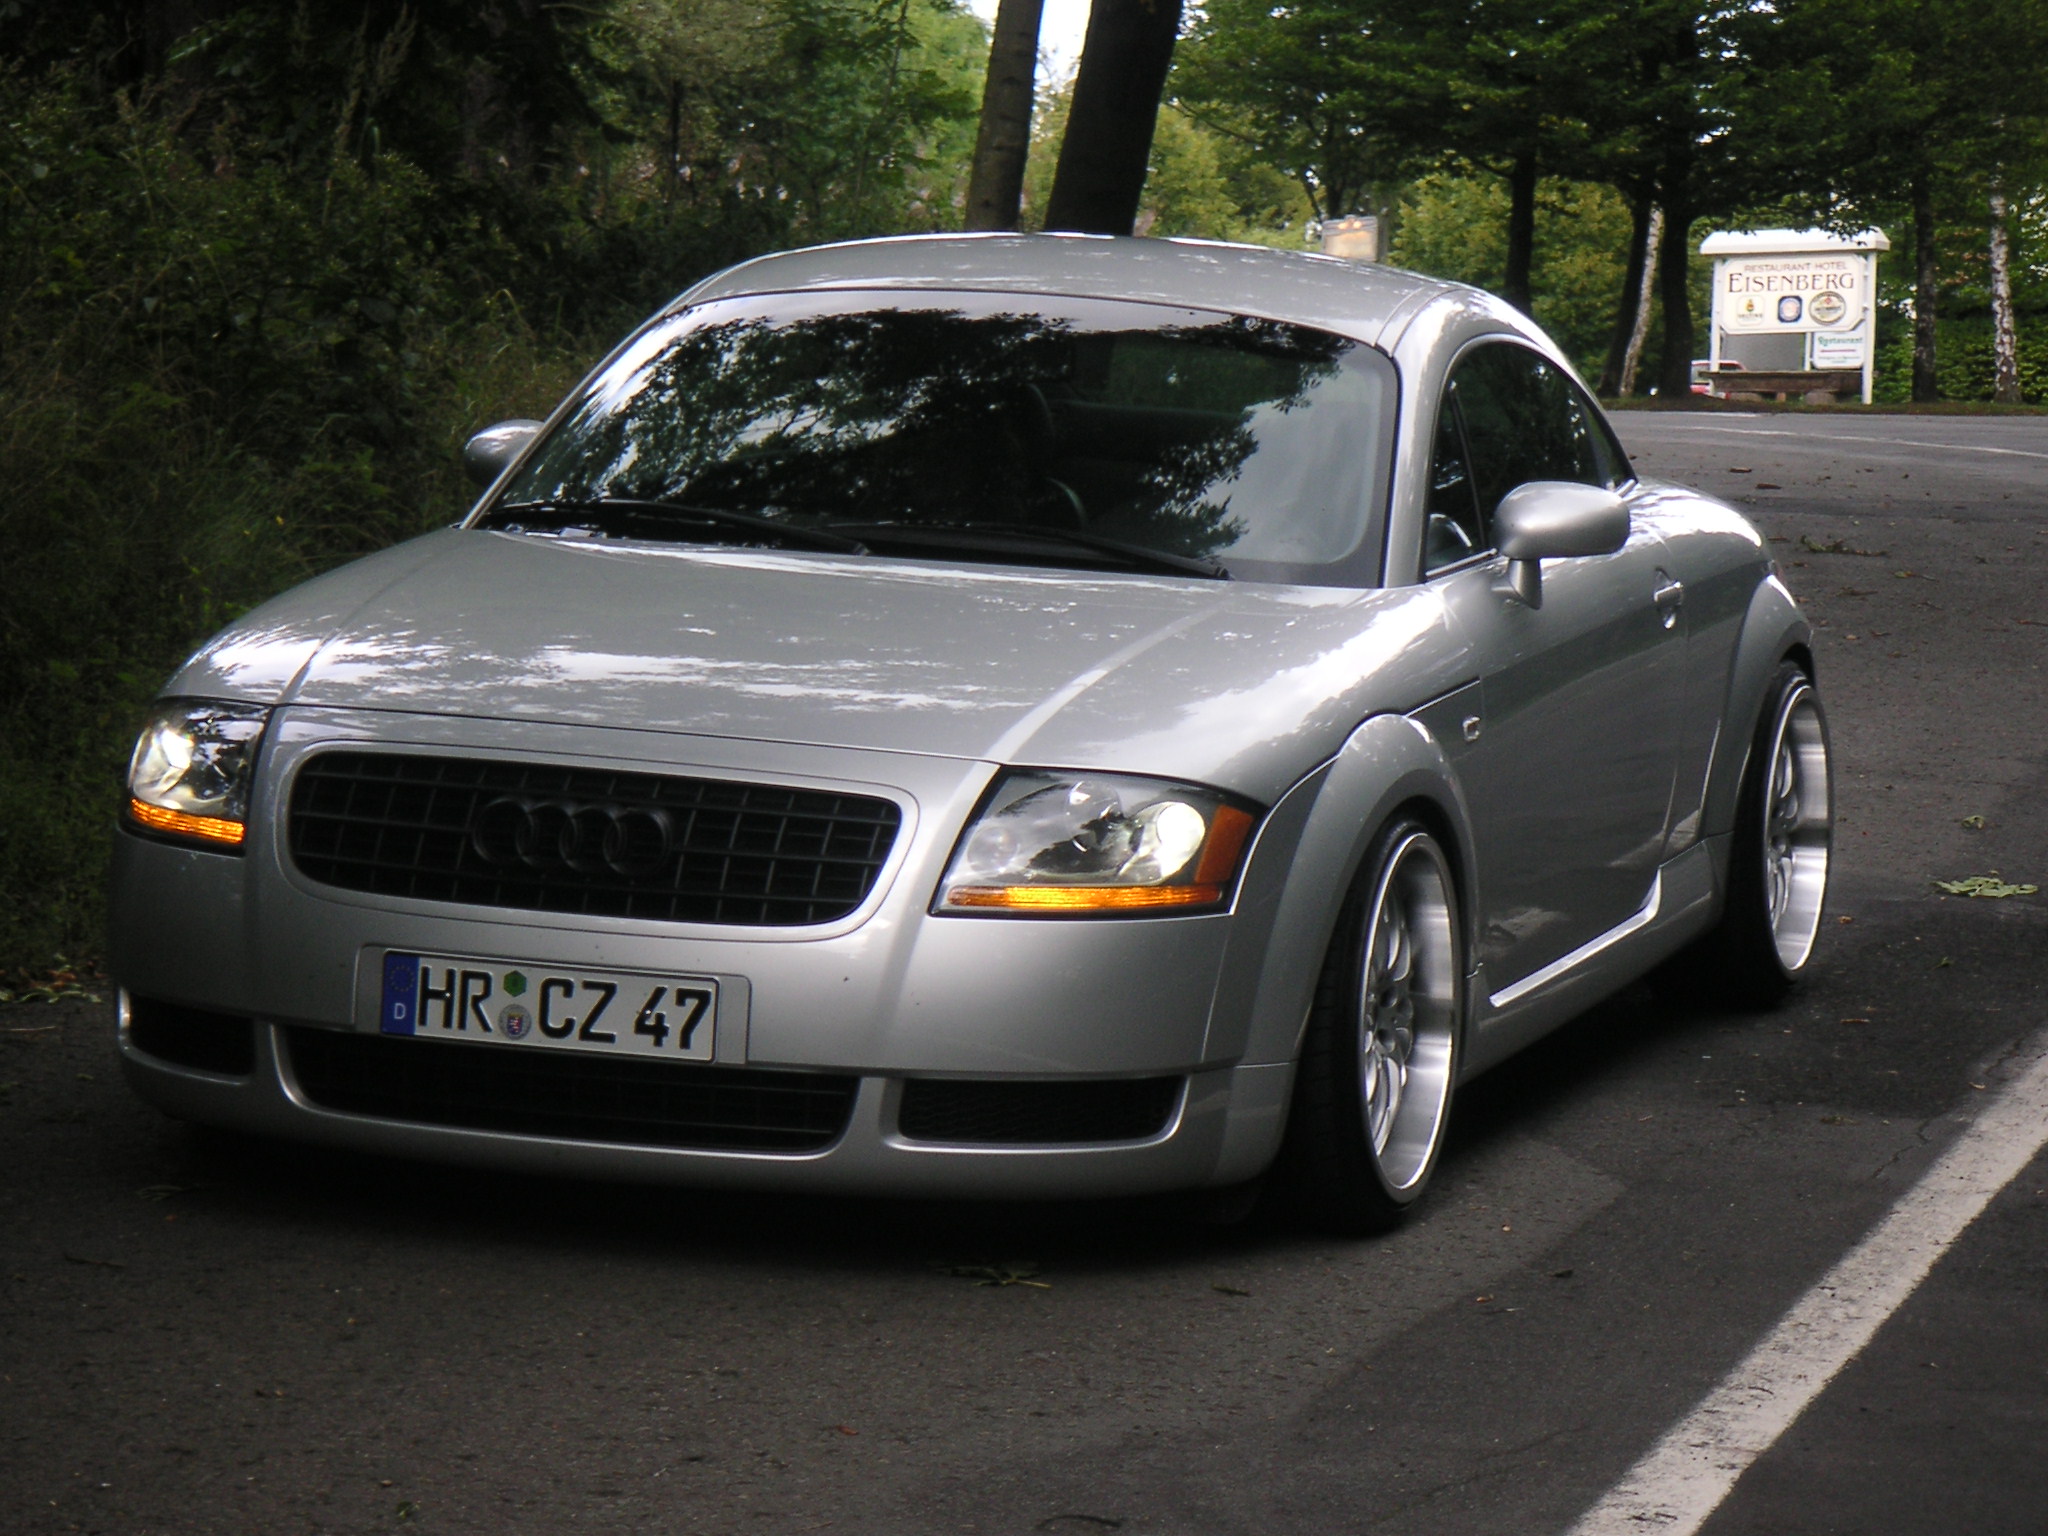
1688,1473
1865,442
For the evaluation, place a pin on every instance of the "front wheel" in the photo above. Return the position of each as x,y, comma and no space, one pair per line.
1784,835
1379,1059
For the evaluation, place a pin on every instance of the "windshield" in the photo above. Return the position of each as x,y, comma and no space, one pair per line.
930,424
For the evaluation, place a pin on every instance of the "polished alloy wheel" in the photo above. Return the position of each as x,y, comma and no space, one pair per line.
1798,826
1407,1010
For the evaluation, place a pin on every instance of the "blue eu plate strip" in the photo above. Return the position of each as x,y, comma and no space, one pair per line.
400,1007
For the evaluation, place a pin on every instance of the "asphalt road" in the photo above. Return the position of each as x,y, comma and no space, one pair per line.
201,1334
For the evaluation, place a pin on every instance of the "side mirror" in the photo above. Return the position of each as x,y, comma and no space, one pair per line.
486,455
1549,519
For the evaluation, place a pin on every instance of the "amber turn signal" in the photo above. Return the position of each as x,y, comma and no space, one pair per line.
1084,898
211,829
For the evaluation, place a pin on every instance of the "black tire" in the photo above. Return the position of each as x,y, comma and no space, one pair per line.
1778,864
1380,1057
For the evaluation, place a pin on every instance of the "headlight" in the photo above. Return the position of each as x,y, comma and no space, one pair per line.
1069,843
190,774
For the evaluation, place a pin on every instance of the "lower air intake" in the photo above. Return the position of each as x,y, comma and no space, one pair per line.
571,1096
193,1037
1036,1114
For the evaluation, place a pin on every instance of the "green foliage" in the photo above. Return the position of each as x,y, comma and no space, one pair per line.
1963,368
1330,93
1456,227
210,387
256,290
1201,181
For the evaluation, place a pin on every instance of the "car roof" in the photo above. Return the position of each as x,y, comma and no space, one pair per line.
1366,302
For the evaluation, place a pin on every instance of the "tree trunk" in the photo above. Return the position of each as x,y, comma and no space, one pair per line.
995,188
1926,290
1632,290
1639,329
1674,286
1514,286
675,139
2005,386
1101,171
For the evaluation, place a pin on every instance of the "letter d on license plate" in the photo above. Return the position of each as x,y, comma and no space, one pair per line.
490,1002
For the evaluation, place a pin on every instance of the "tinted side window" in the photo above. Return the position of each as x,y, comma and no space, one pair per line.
1524,420
1454,529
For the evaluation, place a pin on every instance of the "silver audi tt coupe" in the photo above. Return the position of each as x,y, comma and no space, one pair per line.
990,716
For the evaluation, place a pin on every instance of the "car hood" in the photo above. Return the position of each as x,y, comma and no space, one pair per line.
1235,684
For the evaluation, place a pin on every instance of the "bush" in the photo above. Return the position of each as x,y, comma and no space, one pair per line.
214,381
1963,364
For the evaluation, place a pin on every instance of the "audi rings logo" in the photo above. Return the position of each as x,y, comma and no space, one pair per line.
549,836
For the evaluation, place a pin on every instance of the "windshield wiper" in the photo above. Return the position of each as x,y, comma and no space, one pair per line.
618,514
992,536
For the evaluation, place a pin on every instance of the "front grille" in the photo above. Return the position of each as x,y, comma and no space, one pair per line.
193,1037
1034,1114
558,839
576,1097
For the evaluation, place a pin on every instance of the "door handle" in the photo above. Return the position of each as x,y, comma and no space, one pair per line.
1669,598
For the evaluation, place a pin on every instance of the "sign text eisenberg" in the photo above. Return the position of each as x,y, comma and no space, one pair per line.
1792,293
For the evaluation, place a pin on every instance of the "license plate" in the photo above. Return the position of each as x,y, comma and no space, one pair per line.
447,997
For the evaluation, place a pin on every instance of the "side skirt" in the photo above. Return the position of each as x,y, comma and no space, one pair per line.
1680,906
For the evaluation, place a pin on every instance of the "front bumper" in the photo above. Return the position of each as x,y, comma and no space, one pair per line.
888,995
1222,1130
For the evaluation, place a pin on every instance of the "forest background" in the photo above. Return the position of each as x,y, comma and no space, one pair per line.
263,268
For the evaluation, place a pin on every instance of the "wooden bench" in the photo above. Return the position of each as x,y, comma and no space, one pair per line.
1816,386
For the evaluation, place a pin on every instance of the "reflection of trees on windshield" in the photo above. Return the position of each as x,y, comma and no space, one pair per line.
931,416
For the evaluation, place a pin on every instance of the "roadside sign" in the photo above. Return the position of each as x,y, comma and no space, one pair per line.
1792,302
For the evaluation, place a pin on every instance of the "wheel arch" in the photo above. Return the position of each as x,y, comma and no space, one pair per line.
1390,766
1773,631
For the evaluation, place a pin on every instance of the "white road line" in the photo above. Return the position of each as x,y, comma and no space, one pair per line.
1867,442
1673,1489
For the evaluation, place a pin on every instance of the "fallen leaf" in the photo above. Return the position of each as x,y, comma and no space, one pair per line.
1560,1274
1985,885
1943,963
998,1274
1855,1021
1974,823
1768,485
846,1429
74,1258
163,1191
1229,1290
1839,547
